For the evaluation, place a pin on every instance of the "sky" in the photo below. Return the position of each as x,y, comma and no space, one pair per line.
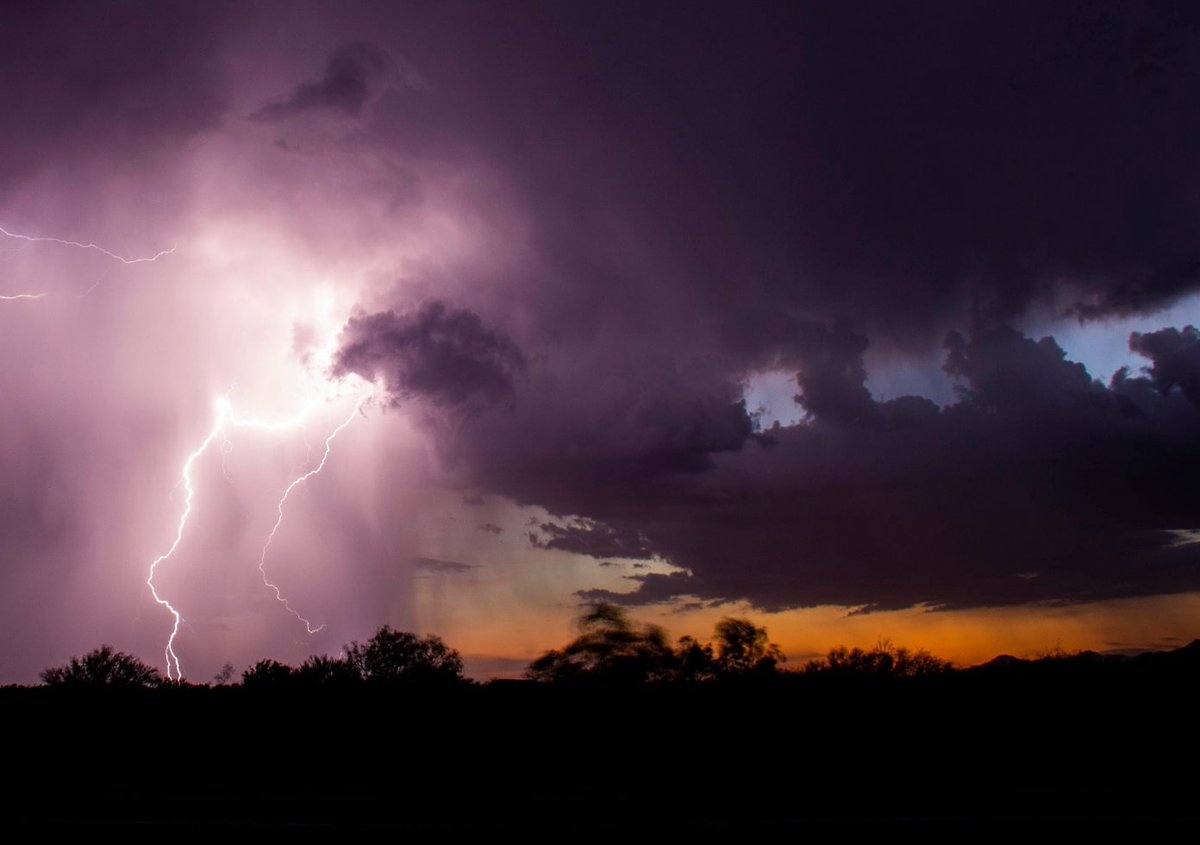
861,320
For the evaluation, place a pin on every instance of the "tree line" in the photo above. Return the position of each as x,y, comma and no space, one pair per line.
610,648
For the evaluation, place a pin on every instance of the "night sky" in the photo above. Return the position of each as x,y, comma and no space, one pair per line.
859,319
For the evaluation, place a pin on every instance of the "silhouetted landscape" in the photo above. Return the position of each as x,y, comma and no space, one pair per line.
618,730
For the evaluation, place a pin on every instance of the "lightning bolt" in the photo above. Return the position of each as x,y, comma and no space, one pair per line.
227,417
35,239
223,412
95,284
283,500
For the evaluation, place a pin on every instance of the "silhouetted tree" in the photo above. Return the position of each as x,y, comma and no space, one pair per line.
884,659
393,656
267,674
743,647
104,667
223,677
322,670
694,661
609,647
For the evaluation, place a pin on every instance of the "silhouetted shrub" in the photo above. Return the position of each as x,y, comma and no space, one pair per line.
267,674
743,647
694,661
104,667
884,660
610,648
321,670
399,656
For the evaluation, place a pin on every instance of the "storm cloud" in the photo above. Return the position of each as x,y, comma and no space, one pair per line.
113,90
908,176
1040,484
901,165
1176,359
445,356
344,87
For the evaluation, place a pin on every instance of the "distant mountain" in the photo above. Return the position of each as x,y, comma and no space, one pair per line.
1182,658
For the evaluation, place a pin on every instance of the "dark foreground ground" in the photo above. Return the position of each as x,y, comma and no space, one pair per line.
1077,747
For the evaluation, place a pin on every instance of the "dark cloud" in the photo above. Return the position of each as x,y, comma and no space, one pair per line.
908,165
113,89
589,537
491,528
995,150
1002,371
344,87
429,564
1036,469
713,194
574,439
653,587
832,375
444,356
1176,359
